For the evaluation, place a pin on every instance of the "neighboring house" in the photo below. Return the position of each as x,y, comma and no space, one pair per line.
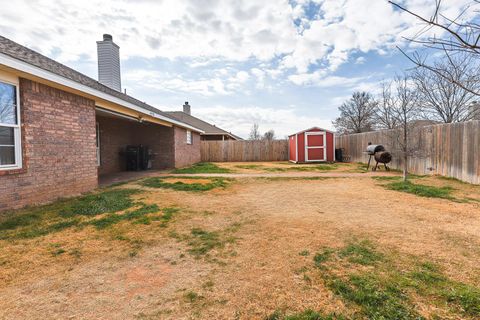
210,131
60,130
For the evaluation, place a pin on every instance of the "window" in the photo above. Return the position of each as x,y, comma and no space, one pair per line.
10,147
189,137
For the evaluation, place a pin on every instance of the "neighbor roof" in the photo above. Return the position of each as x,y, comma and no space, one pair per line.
208,128
24,54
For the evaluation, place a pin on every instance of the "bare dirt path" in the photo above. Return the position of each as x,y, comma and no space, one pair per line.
286,174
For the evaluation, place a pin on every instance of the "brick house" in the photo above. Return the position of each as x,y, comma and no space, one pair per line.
210,132
61,130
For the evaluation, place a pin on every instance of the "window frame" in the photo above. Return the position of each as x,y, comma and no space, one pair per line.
17,128
189,137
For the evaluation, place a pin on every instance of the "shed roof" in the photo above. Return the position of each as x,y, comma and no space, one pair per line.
309,129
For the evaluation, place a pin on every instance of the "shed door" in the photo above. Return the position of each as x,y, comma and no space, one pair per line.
315,146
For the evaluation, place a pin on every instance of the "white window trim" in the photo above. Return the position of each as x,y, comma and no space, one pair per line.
313,133
189,134
97,137
17,129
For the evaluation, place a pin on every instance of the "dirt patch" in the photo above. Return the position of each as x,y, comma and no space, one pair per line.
271,230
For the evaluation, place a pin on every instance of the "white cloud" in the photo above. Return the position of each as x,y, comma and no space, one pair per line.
224,49
360,60
239,120
212,29
320,79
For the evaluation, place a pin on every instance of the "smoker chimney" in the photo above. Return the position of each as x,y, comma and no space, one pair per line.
109,63
186,108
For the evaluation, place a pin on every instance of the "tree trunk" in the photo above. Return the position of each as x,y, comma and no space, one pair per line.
405,166
405,151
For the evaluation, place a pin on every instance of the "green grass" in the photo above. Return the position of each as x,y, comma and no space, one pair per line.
99,203
114,218
383,286
376,298
162,182
361,252
168,214
202,167
68,213
249,166
421,190
191,296
202,242
305,315
387,178
322,257
304,253
451,179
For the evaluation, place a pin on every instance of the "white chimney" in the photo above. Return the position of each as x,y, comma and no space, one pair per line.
186,108
109,63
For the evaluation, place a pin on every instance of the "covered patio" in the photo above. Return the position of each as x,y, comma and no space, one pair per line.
117,134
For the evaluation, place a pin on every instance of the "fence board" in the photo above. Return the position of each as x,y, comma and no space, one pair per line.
451,150
244,150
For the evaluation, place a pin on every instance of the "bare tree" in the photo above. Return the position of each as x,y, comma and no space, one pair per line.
452,35
441,98
405,110
385,109
254,133
269,135
357,114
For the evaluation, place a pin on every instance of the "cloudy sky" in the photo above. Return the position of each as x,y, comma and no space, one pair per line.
284,64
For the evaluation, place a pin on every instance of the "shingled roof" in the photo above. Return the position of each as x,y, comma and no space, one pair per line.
19,52
198,123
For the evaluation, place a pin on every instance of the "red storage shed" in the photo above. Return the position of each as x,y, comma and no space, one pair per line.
312,145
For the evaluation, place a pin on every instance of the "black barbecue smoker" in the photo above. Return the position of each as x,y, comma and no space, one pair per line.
138,158
379,154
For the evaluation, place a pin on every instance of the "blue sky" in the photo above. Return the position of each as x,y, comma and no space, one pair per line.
286,65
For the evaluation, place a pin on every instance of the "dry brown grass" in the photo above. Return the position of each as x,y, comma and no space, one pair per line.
146,271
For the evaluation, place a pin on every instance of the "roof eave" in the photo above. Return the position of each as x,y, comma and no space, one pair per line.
50,76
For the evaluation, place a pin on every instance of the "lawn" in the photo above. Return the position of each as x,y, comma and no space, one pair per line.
295,248
270,167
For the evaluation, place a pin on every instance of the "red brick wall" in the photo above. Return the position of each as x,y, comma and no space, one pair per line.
58,133
186,154
116,133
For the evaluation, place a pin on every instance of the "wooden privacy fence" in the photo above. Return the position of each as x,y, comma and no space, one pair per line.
244,150
451,150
